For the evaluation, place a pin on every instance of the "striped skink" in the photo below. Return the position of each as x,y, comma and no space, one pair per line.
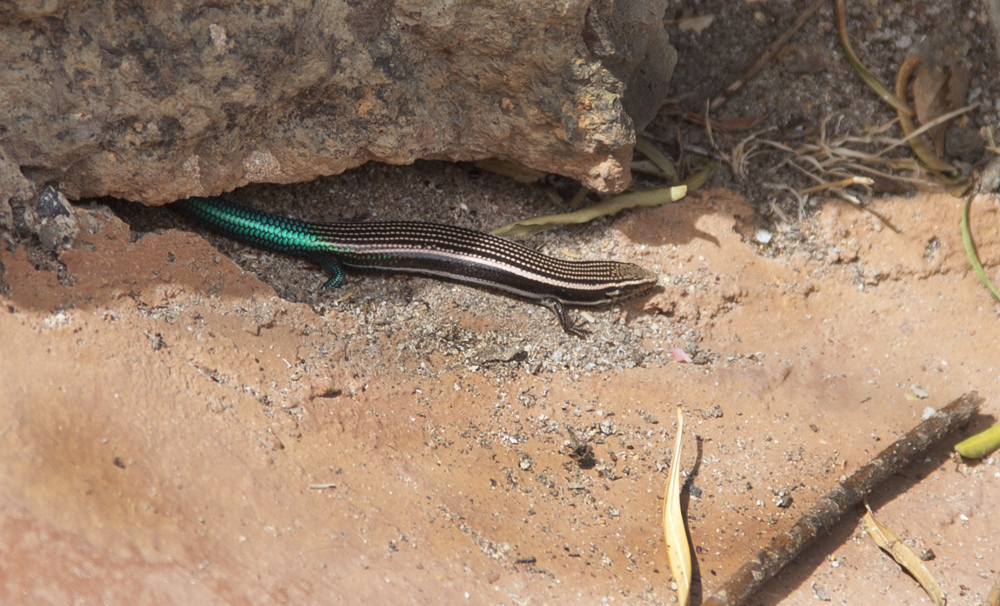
440,251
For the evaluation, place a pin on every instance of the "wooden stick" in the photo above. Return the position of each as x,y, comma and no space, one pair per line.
785,547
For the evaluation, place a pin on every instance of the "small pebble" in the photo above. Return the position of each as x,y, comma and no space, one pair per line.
821,593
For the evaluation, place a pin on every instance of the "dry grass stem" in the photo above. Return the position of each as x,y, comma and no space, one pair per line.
742,152
839,161
924,128
842,183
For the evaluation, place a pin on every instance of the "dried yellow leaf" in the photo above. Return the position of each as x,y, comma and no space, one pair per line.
889,542
678,548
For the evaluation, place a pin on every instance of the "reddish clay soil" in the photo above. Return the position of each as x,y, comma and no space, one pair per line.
174,432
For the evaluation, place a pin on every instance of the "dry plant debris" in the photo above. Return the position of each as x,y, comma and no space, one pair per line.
887,540
835,163
973,254
869,78
614,204
678,548
828,510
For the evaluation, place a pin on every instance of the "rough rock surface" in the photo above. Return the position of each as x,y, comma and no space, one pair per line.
15,193
992,8
155,102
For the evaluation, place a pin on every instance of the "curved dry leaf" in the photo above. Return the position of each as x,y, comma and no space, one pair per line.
614,204
678,548
645,147
919,148
645,167
889,542
938,90
698,179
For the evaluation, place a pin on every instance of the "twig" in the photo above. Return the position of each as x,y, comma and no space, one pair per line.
769,53
785,547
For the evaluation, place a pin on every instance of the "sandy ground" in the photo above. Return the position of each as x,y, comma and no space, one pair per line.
174,432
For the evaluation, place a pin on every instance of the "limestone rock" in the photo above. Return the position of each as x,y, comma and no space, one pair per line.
16,194
159,101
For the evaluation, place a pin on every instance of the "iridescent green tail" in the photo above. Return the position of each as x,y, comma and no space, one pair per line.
280,234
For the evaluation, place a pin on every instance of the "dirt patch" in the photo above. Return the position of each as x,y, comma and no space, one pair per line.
187,420
174,432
